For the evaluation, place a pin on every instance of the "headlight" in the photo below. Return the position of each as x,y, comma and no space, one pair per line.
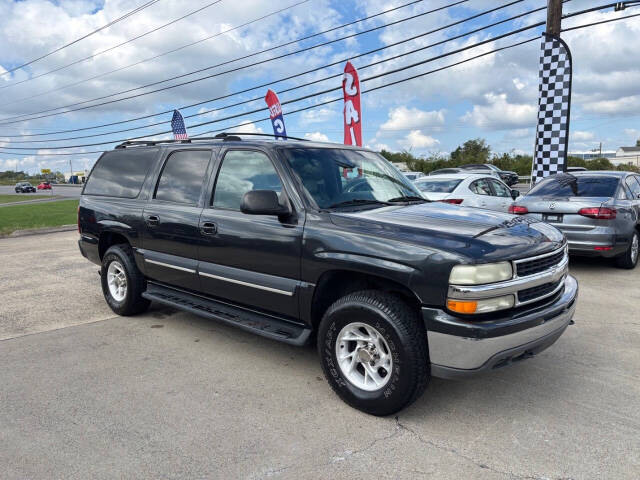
480,306
480,274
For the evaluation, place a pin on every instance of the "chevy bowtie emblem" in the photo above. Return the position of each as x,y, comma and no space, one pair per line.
552,206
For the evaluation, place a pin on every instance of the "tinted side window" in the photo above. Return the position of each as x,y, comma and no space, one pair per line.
182,176
241,172
634,186
481,187
500,189
121,173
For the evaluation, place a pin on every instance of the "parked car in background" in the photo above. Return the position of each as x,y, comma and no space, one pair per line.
508,177
598,212
413,176
453,170
576,169
24,187
44,186
480,191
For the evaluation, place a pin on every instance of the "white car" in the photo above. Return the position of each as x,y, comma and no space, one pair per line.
413,176
476,190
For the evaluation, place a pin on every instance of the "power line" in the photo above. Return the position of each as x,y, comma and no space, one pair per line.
113,47
340,98
338,62
327,102
431,59
104,74
113,22
246,90
218,65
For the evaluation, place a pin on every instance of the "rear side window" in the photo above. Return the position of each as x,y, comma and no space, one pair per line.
634,186
438,186
500,189
182,176
481,187
120,173
241,172
564,185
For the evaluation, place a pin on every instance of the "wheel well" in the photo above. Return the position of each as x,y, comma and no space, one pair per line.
109,239
338,283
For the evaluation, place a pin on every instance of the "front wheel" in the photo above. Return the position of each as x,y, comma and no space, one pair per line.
629,259
122,281
373,351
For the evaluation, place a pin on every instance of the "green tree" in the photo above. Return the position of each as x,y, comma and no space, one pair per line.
471,151
638,143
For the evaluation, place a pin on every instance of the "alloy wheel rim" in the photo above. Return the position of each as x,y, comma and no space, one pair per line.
364,356
117,281
634,248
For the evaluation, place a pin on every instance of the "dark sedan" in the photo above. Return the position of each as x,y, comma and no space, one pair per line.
599,212
508,177
24,187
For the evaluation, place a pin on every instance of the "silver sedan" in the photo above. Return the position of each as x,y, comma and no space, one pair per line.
599,212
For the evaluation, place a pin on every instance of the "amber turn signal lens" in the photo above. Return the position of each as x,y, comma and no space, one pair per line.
462,306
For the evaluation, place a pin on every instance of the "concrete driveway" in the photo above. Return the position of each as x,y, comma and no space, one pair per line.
85,394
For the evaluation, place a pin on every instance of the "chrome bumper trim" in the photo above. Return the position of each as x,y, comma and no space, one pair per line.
512,287
468,353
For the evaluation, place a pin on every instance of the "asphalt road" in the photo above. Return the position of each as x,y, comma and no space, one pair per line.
64,191
86,394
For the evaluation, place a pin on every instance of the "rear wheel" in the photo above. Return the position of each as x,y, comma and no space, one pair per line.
122,281
373,351
629,259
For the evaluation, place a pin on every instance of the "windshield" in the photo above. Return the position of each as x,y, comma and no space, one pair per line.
564,185
445,185
333,176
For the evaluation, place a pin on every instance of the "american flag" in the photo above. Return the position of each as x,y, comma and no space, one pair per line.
177,125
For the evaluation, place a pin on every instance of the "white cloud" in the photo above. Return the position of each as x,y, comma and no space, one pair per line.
247,127
581,136
319,115
316,137
497,113
622,105
403,118
416,139
632,133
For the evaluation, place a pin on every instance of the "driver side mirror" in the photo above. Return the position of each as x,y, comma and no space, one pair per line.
514,193
263,202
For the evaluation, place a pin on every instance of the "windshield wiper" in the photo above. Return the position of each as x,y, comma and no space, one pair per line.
358,201
407,198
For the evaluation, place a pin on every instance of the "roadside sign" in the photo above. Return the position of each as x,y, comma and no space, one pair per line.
45,171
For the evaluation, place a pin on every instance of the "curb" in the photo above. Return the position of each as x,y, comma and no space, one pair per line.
40,231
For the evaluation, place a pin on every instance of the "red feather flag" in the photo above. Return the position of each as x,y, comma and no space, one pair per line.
352,110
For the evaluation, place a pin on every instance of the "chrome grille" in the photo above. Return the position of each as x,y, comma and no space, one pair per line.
539,264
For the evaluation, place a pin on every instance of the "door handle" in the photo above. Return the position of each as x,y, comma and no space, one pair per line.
152,220
208,228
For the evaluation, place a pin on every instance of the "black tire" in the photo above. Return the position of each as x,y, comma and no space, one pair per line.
628,260
132,303
407,341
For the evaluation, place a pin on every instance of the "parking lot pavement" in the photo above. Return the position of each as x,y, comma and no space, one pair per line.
167,394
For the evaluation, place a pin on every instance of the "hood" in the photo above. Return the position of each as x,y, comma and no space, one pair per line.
479,235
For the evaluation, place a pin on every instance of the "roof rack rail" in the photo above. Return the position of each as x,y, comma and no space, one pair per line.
224,136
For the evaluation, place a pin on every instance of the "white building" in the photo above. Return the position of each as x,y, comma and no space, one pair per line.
625,155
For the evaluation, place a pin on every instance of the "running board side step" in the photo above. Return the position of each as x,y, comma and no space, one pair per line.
264,325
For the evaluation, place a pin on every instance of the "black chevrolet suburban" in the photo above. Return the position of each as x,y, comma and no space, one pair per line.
300,241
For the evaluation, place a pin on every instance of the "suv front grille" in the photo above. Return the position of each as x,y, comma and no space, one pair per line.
537,265
537,292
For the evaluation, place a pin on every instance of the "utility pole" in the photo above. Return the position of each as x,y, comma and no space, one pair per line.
554,17
70,170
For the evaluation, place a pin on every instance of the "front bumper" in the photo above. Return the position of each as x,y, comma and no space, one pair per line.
459,347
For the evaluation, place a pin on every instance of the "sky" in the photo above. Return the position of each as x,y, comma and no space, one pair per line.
493,97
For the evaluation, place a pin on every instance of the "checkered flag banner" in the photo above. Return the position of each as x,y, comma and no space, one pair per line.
554,101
